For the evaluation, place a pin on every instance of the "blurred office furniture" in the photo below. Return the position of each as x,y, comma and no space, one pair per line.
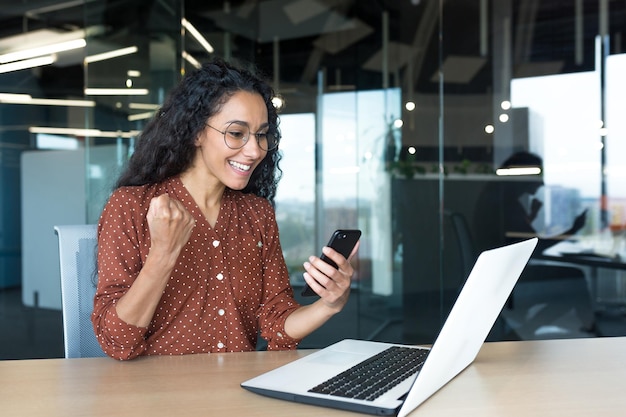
468,254
550,300
53,192
464,242
57,190
432,264
77,261
604,273
572,252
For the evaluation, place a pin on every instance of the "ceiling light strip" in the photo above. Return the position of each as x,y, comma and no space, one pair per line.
15,98
9,98
27,63
34,13
140,116
196,34
116,91
83,132
111,54
143,106
62,102
43,50
518,171
193,61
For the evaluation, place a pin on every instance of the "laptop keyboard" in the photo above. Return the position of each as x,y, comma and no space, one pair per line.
373,377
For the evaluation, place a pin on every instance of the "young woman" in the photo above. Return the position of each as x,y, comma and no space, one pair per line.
189,258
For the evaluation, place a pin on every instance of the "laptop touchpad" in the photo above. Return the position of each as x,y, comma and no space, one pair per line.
338,358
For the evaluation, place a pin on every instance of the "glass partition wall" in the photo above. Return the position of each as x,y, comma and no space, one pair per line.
405,119
133,57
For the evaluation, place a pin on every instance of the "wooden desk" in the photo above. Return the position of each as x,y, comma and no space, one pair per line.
579,377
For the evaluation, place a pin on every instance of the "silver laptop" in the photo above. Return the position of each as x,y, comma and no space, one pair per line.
475,311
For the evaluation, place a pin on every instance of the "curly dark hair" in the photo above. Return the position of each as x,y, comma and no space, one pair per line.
165,147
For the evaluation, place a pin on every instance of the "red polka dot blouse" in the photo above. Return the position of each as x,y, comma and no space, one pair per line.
230,282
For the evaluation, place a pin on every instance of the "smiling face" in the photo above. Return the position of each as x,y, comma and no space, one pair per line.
215,161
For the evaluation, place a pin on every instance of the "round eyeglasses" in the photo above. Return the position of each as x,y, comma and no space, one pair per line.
236,136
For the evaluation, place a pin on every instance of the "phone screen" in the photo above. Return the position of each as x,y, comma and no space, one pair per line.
343,241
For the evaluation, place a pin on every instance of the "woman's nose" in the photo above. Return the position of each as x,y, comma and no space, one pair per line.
252,148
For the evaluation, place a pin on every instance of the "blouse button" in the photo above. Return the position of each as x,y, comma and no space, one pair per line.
220,276
220,345
279,334
221,312
216,243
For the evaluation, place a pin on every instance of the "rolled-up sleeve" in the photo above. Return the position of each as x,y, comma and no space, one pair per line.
278,300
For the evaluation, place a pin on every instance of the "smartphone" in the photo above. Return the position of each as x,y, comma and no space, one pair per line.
343,241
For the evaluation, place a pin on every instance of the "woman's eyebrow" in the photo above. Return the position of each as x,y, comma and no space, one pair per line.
242,122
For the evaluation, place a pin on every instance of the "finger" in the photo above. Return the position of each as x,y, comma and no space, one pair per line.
354,251
334,281
179,212
161,206
156,205
176,210
315,286
318,266
319,276
333,255
342,263
331,292
167,210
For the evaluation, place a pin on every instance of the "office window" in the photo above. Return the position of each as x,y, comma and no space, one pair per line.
295,198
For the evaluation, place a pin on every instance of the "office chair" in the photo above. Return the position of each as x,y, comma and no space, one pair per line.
77,257
549,301
465,243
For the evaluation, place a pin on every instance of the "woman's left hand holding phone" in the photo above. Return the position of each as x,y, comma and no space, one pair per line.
332,285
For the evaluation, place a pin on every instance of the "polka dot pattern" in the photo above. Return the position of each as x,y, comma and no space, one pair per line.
229,285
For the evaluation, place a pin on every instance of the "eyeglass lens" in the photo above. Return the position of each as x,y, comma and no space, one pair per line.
236,135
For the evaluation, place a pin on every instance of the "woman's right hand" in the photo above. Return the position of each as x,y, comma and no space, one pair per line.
170,225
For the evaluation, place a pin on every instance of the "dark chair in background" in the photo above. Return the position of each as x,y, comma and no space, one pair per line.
464,241
549,301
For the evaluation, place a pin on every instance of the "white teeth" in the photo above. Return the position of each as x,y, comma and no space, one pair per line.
239,166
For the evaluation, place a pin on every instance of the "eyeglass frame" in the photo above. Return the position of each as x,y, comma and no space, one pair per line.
245,140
